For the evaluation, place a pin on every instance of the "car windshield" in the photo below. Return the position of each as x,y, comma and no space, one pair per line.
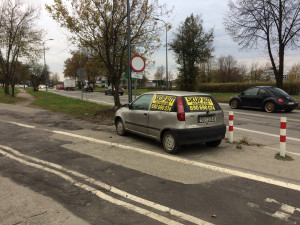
278,91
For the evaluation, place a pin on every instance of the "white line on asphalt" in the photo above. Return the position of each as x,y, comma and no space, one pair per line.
96,192
22,125
112,189
191,162
263,133
258,115
276,149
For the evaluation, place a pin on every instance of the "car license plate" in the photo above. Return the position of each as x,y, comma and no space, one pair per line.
206,119
291,103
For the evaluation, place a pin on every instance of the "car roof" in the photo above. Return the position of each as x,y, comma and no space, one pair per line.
177,93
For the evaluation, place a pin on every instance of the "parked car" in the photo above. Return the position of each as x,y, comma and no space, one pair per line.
60,87
88,89
173,118
111,91
267,98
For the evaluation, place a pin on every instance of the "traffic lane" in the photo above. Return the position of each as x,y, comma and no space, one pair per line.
265,130
233,200
294,115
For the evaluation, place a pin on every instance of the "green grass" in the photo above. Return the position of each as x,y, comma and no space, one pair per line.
70,106
8,99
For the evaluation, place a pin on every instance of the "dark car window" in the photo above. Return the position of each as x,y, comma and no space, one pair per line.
163,103
200,104
251,91
278,91
263,93
142,103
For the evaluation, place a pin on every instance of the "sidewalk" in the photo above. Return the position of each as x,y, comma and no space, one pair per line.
28,99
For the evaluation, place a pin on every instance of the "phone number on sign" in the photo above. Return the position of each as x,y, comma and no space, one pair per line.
202,107
161,107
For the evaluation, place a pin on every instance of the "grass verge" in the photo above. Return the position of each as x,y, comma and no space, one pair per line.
8,99
72,107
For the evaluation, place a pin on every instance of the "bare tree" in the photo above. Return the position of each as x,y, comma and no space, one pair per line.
101,26
18,38
228,69
275,23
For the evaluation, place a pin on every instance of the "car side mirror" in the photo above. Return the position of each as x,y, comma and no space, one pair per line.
127,105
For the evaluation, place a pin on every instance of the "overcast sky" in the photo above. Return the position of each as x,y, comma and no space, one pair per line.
211,11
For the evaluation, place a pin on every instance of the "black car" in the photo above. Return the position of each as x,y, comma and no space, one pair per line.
111,91
88,89
267,98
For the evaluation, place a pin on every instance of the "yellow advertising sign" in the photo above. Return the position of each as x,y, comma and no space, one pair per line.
163,102
196,103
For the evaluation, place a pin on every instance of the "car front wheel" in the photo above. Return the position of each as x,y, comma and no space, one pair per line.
169,143
269,107
120,128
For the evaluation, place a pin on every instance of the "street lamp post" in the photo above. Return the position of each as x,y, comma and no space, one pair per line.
166,52
46,78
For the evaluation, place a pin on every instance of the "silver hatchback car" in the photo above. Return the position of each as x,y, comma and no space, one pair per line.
174,118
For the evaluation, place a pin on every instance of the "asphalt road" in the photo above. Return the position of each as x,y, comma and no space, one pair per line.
59,170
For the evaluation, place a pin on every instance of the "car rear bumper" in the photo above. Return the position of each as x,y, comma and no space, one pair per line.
199,135
286,106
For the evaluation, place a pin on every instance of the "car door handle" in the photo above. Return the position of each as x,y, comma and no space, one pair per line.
145,114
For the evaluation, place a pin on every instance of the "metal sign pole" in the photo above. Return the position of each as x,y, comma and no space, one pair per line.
135,84
129,53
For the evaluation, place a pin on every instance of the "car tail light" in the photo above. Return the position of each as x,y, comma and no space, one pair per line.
180,109
280,100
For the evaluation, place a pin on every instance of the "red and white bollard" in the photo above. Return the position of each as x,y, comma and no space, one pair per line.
230,127
282,136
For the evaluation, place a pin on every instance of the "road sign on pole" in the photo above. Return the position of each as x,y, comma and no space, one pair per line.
137,63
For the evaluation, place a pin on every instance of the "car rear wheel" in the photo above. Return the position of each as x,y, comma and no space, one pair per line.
105,93
269,107
214,143
169,143
234,104
120,128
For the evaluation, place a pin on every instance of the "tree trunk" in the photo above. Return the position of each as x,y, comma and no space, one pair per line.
279,77
6,87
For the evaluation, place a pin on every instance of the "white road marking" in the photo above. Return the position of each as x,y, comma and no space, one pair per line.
263,133
107,187
22,125
258,115
281,215
276,149
285,207
95,191
190,162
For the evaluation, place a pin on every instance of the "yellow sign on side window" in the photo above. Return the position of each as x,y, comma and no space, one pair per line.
196,103
163,102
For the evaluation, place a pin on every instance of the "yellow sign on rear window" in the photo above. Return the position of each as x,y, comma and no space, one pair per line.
163,102
197,103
